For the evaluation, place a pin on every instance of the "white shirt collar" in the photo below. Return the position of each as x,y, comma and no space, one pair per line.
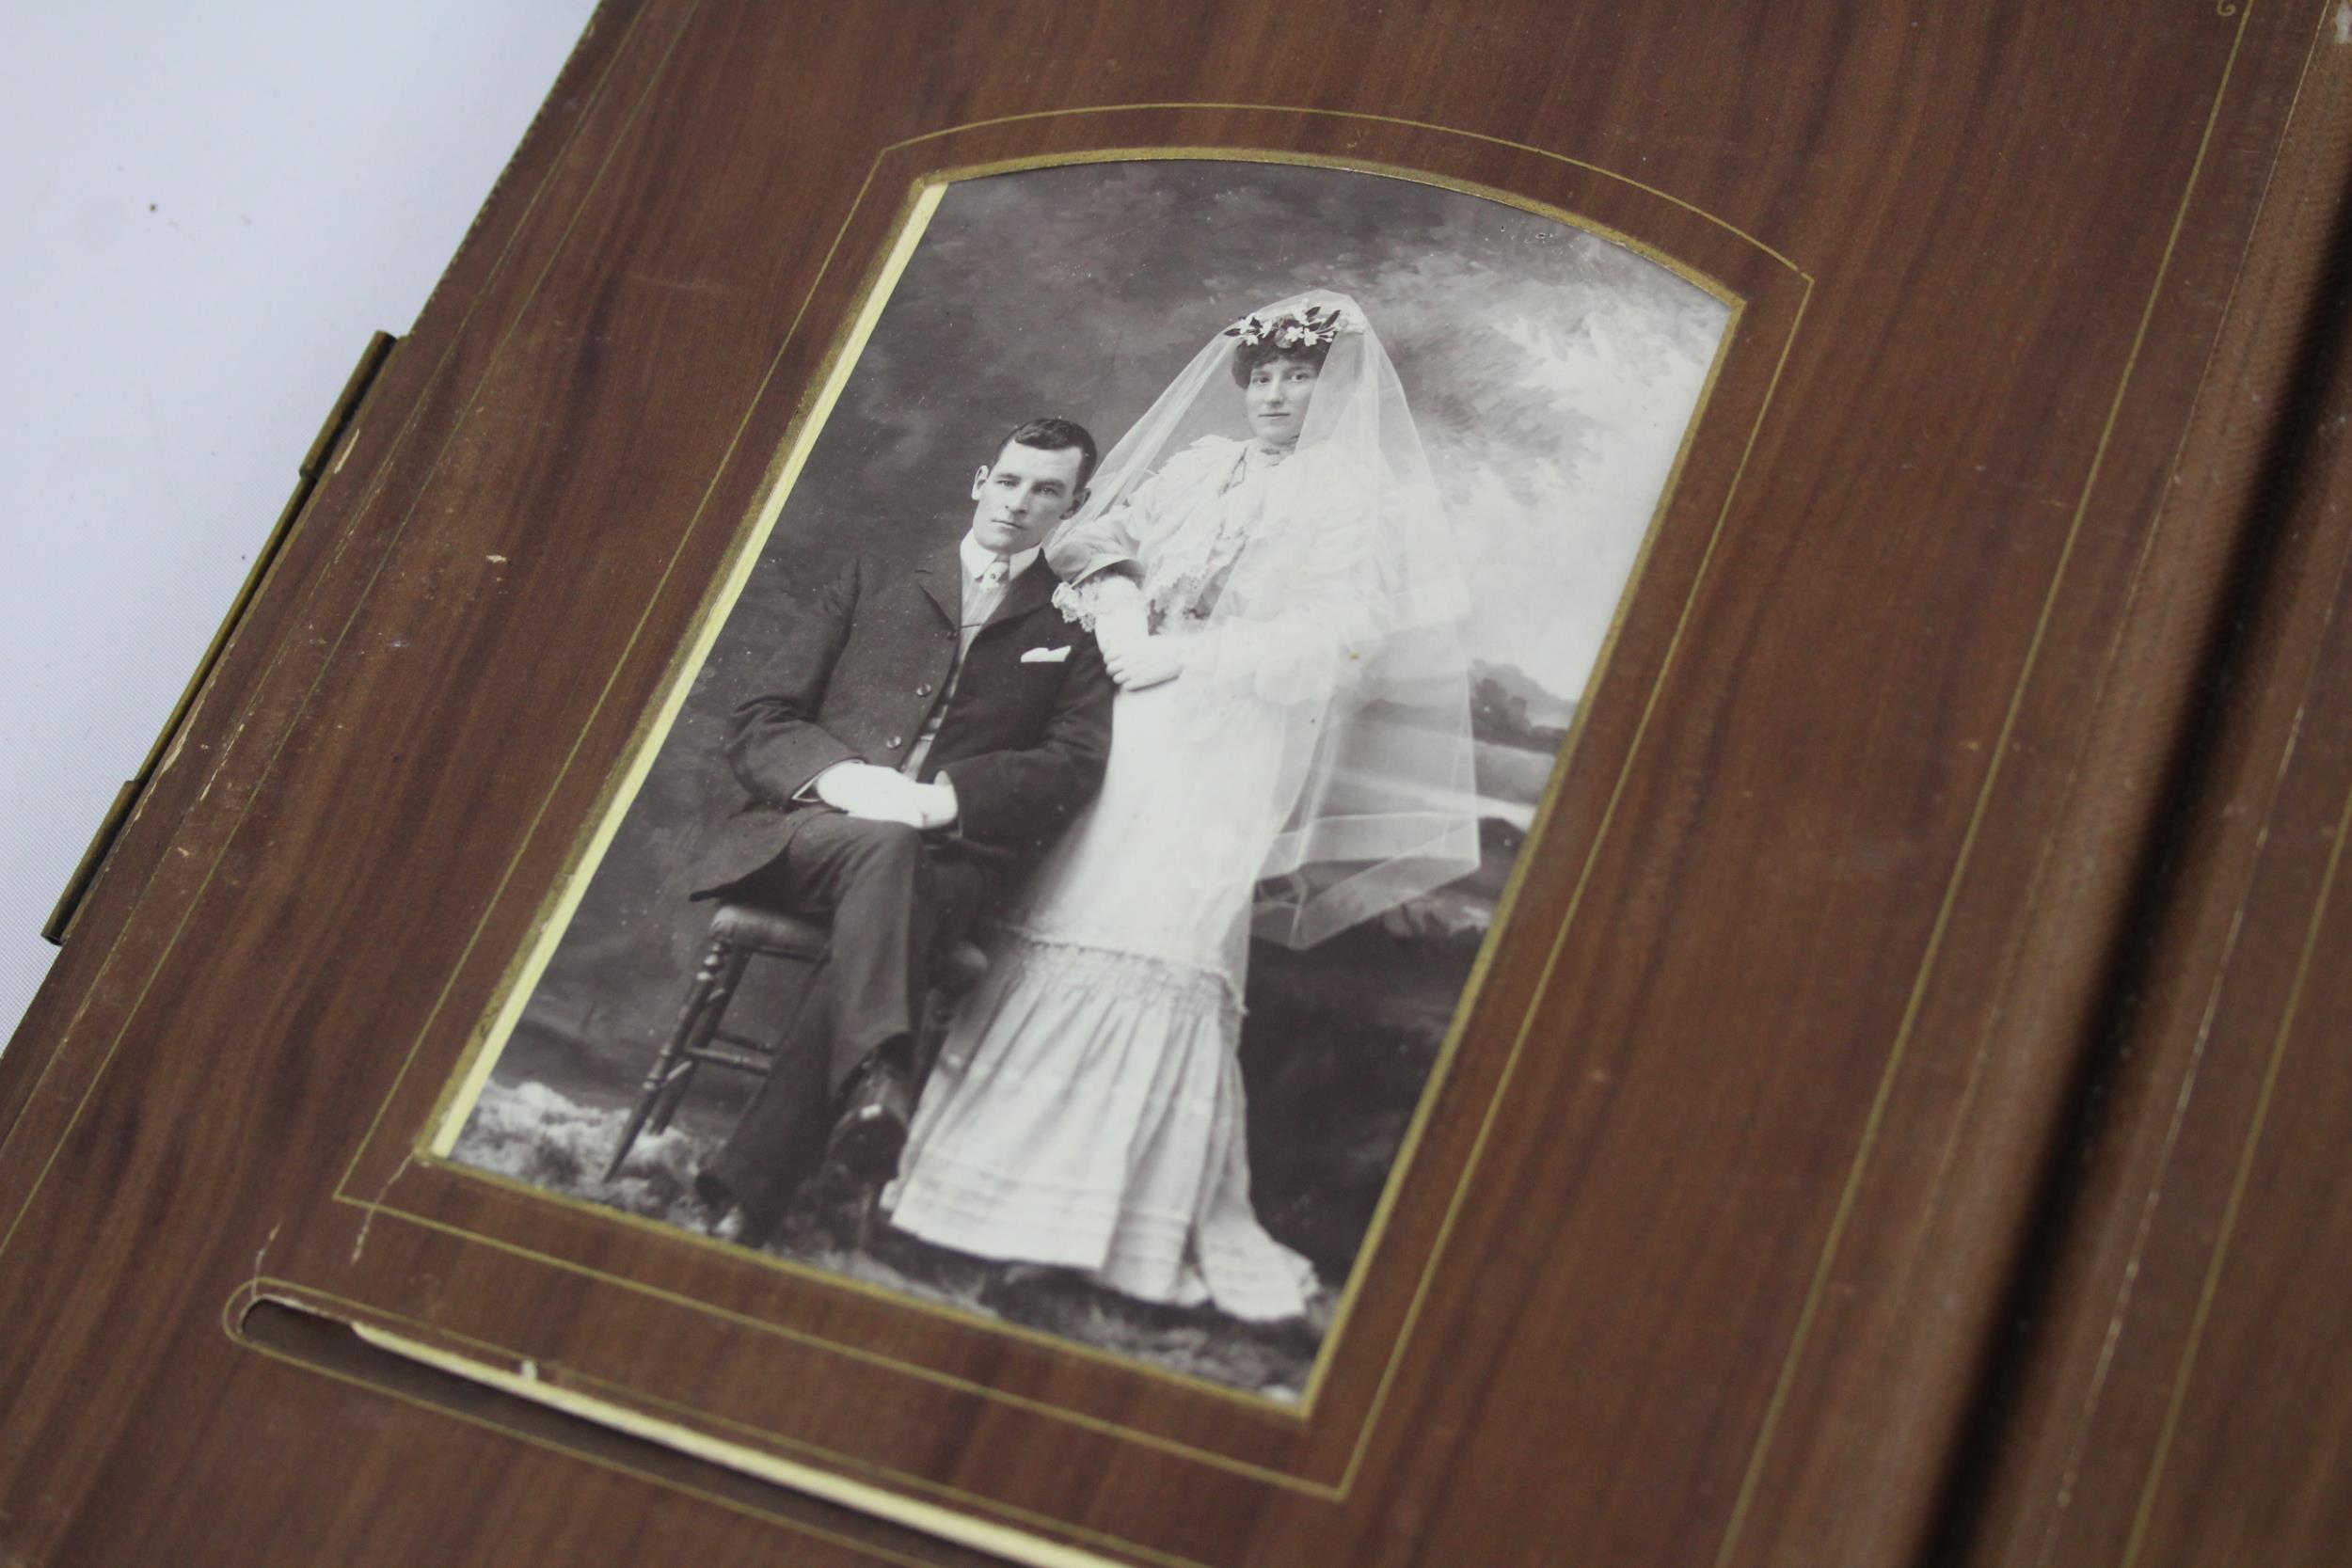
977,557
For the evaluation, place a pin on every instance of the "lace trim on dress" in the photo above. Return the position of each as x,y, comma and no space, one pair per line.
1131,977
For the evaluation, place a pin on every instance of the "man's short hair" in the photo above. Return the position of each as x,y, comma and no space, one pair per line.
1053,436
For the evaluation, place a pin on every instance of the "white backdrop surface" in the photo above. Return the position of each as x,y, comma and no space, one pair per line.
204,211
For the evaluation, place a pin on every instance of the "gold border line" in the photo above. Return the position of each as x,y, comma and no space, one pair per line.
2238,1186
1849,1195
424,398
429,1149
460,1092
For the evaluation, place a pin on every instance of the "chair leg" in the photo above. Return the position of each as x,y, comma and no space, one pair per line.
714,1014
707,1023
697,1019
665,1105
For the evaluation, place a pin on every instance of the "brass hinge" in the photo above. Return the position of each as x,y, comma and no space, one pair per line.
338,420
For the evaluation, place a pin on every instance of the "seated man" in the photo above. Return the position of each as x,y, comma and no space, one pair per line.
920,738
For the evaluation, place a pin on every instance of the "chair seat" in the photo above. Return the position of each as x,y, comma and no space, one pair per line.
790,936
770,930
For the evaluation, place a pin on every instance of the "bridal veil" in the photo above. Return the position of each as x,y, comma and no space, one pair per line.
1344,609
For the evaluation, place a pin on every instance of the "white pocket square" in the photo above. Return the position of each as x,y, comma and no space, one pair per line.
1045,655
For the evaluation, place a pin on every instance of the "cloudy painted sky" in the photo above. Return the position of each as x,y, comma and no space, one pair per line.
1552,373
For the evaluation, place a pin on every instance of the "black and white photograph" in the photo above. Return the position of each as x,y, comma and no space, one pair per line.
1051,899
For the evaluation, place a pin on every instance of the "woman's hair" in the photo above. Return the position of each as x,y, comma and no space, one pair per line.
1248,357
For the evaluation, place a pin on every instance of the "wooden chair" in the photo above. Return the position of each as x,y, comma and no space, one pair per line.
738,934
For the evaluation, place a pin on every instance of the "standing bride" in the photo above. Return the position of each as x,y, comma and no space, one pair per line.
1291,755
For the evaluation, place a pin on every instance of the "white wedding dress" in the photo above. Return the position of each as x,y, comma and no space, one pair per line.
1310,768
1086,1110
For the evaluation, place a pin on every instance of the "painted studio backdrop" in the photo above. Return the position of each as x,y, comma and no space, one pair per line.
1551,375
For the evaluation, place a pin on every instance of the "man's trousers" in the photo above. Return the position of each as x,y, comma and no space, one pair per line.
894,899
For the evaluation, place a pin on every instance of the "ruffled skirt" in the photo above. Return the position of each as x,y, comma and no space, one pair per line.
1086,1110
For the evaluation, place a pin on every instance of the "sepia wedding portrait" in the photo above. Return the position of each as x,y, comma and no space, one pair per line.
1052,896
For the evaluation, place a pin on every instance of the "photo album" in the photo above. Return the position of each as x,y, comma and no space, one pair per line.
1350,784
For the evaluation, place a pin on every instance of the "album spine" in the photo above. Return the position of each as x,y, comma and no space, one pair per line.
1946,1249
2061,1447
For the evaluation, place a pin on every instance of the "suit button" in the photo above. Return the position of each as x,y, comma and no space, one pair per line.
897,740
924,689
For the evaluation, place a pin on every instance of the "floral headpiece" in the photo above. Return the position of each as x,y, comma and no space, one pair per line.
1312,326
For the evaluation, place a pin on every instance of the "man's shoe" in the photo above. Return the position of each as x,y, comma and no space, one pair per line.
715,1196
873,1128
754,1226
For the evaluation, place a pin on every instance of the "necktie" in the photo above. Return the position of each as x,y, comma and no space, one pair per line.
992,575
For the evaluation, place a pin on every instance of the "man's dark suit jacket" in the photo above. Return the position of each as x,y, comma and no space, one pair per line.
1024,739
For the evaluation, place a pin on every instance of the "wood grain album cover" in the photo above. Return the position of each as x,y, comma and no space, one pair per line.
1418,786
